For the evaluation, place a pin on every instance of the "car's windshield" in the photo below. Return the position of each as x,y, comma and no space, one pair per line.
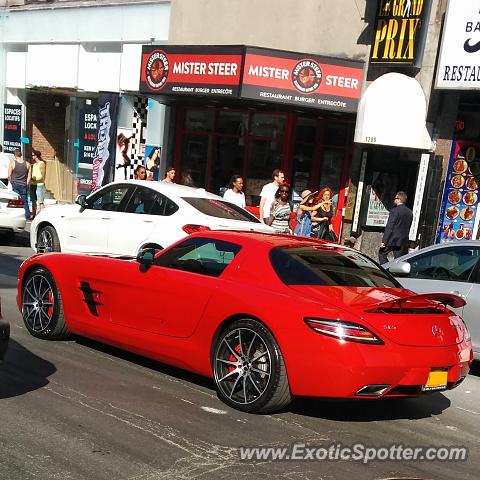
311,265
220,209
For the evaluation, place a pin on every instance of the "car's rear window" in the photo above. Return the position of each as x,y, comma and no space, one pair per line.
220,209
311,265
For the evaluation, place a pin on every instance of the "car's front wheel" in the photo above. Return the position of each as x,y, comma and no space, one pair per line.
248,368
47,240
42,308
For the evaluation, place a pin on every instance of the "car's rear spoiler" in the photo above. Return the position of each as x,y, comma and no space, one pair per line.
446,299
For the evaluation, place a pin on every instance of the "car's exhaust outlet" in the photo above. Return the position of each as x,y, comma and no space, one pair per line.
372,390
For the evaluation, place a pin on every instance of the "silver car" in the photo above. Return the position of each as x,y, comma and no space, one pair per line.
450,268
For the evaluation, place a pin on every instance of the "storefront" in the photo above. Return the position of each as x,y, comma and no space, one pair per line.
244,110
458,77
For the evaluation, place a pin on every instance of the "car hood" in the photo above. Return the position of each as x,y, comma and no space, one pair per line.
416,321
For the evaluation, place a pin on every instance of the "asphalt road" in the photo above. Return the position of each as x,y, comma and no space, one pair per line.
80,410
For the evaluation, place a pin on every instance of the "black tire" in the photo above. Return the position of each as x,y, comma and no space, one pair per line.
47,240
248,368
42,308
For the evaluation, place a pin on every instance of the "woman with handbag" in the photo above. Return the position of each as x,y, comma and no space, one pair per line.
322,227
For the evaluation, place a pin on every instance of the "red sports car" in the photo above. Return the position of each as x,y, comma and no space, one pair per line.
267,316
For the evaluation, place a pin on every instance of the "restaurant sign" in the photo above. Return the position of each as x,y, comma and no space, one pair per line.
173,70
302,79
252,73
400,31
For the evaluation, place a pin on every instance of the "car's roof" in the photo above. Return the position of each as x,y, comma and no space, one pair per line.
170,189
270,239
440,246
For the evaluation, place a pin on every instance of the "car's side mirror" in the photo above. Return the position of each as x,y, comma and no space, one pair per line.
146,256
82,201
399,268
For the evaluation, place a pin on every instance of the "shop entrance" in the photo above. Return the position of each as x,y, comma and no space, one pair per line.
212,144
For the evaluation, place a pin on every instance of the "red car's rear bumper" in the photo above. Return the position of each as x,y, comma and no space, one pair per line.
343,369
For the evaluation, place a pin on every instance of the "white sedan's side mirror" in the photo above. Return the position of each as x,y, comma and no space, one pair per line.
399,268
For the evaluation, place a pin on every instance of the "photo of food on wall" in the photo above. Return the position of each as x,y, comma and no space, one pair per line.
467,213
474,168
457,181
470,198
471,183
460,166
454,197
452,212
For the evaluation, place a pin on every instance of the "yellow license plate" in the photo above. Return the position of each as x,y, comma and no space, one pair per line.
437,380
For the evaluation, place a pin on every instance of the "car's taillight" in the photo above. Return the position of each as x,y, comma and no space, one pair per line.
350,331
16,203
192,228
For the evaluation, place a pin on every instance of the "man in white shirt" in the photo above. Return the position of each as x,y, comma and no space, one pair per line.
4,162
268,194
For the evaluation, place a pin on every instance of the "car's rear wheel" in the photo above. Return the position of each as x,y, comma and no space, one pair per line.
42,308
248,368
47,240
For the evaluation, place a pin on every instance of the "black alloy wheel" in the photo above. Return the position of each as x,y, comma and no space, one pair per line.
42,308
248,368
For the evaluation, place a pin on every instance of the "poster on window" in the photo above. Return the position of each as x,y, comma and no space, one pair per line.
459,212
152,161
87,142
104,160
12,127
123,157
383,184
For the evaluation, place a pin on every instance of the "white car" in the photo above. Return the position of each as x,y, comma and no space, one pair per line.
121,218
12,213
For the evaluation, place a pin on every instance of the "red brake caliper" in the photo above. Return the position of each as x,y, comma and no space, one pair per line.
232,358
50,300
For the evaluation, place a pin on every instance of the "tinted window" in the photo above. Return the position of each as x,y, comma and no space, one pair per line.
220,209
149,202
111,199
453,263
200,255
328,266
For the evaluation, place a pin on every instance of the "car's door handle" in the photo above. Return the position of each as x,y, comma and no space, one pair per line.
106,218
456,292
147,221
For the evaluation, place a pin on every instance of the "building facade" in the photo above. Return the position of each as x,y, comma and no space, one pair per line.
340,94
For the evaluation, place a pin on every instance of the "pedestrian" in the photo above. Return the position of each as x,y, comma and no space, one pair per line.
169,175
280,212
395,237
304,213
19,175
140,173
322,227
235,193
267,195
37,183
4,162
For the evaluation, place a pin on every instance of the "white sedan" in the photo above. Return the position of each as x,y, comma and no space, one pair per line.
12,213
121,218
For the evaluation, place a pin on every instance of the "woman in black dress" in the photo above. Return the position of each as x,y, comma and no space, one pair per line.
322,219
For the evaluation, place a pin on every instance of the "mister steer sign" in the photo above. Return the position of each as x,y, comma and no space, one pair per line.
253,73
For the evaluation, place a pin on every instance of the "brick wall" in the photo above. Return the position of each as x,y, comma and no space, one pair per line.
46,124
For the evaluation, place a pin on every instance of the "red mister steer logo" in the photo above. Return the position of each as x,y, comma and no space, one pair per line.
156,70
306,76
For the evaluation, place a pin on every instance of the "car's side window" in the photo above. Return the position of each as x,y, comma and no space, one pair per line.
206,256
110,199
141,201
454,263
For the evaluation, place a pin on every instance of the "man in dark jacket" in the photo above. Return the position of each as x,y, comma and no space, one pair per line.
395,237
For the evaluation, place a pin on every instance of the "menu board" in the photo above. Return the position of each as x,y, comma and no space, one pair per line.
461,194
